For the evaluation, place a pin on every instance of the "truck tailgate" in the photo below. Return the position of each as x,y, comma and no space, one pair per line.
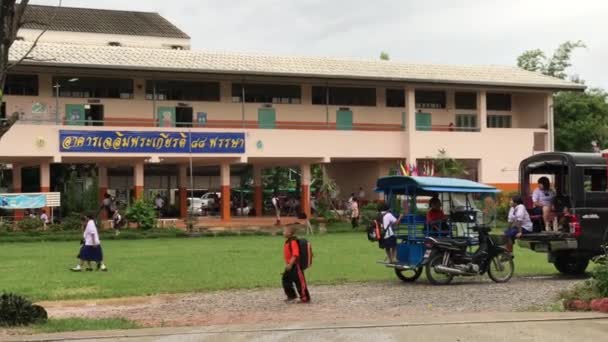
548,242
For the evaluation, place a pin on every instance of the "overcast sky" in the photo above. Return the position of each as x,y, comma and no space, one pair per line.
430,31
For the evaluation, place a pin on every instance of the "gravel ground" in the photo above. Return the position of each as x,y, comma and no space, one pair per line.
369,301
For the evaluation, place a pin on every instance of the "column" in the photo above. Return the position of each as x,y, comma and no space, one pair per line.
45,177
183,191
102,174
410,105
305,192
550,122
225,189
258,191
17,187
482,109
138,181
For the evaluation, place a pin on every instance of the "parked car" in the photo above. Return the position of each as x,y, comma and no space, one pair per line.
580,181
195,206
210,200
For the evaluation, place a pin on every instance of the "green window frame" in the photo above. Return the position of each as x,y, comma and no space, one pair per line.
466,122
500,121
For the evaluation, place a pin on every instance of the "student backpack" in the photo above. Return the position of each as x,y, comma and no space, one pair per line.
305,259
376,230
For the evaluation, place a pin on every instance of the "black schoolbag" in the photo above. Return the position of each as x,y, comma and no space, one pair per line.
305,259
376,229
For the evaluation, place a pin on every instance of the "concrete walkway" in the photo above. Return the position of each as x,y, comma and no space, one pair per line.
524,326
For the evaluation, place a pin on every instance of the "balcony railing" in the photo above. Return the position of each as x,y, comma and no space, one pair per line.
247,124
446,128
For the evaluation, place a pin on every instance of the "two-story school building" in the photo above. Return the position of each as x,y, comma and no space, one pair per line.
124,91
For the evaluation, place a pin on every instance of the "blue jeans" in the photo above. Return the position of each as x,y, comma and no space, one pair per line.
511,233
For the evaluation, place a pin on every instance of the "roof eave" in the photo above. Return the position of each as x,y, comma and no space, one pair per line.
551,87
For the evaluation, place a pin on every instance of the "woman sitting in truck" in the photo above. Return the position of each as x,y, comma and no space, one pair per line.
542,198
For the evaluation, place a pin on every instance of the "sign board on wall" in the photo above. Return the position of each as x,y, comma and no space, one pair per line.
30,201
150,142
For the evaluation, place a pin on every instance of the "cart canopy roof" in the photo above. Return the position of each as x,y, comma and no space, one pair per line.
430,185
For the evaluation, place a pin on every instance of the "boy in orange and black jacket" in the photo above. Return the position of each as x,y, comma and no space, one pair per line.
293,273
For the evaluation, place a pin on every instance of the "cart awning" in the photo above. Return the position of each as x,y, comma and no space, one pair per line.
422,185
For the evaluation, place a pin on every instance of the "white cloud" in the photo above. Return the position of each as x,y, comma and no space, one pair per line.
431,31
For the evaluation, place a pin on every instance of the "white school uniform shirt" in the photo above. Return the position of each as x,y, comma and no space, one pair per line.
544,197
520,214
91,236
388,221
44,217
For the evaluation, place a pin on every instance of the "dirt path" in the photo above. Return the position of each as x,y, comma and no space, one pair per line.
330,303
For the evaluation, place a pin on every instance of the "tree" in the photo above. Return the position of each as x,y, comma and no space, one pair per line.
448,167
536,60
580,117
385,56
11,21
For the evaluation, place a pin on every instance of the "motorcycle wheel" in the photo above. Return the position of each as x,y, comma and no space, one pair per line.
434,277
501,268
409,276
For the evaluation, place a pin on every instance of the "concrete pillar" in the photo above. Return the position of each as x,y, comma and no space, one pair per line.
45,177
410,105
305,192
183,191
306,94
138,180
550,122
258,191
17,187
102,174
482,109
225,189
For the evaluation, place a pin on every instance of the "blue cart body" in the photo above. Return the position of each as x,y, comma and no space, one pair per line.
413,228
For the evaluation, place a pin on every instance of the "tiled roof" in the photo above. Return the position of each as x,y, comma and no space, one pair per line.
100,21
127,58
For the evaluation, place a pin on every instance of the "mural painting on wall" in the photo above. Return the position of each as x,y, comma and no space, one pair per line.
151,142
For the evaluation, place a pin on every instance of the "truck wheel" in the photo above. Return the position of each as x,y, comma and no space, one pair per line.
571,265
408,276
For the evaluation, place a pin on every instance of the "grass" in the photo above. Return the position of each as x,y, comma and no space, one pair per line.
81,324
145,267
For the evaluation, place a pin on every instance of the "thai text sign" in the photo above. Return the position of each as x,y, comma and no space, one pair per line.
150,142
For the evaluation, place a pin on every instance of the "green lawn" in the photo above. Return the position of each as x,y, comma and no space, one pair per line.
144,267
81,324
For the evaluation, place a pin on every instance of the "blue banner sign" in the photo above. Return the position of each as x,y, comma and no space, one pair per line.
150,142
22,201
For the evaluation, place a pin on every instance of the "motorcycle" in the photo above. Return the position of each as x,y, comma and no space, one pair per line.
446,258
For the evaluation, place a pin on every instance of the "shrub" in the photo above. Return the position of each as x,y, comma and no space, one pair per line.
368,213
600,275
30,224
6,227
142,213
72,222
503,206
54,227
585,291
16,311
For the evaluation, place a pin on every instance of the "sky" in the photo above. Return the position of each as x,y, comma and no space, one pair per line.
477,32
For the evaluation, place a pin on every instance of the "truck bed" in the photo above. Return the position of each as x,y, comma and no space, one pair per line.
548,241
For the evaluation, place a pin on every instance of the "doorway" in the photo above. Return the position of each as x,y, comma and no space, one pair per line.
344,120
423,122
94,115
267,118
183,116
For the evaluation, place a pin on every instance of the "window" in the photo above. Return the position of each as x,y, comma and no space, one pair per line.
499,121
466,122
430,99
344,96
95,87
267,93
466,100
595,180
21,85
183,90
395,98
497,101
